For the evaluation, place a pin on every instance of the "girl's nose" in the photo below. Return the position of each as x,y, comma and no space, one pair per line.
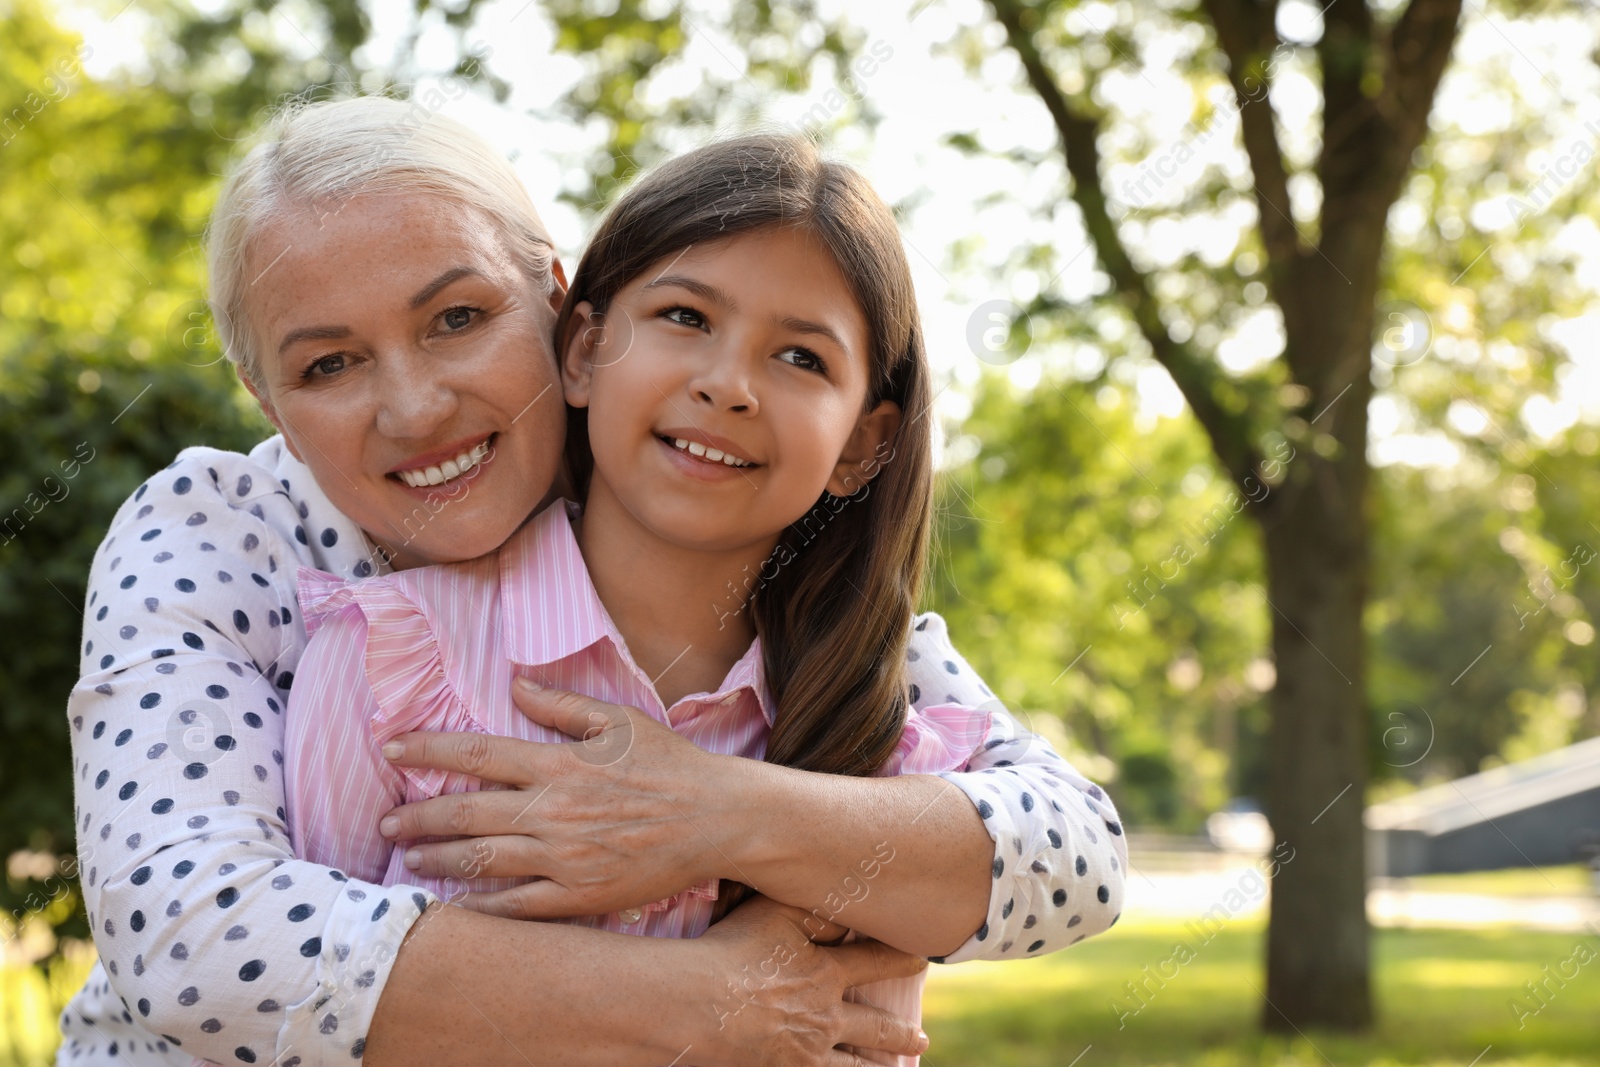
725,385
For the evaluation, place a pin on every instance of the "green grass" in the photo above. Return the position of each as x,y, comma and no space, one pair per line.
1571,879
1442,995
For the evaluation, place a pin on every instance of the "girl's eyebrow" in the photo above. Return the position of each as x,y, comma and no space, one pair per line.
704,290
819,329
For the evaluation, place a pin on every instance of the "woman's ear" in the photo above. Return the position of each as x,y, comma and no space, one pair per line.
558,291
585,334
869,448
268,410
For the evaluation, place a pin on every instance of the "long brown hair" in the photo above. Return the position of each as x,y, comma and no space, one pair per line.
833,605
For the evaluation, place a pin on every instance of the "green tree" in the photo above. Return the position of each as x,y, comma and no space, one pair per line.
1083,587
1323,260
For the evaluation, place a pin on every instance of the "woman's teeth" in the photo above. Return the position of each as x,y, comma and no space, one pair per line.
695,448
444,472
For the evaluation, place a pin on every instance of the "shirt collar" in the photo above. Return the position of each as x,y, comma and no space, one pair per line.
551,609
549,605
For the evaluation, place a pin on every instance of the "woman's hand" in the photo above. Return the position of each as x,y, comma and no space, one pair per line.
777,998
613,821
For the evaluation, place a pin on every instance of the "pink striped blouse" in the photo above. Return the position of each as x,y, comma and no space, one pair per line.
436,648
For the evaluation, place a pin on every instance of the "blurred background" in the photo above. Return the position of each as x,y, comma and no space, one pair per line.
1268,343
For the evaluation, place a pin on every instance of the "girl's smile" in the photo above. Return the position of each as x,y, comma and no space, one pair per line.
743,374
717,450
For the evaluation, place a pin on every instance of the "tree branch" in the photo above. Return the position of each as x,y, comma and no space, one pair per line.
1378,90
1249,38
1419,50
1228,430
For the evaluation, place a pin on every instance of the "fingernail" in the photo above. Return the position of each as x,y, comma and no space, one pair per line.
529,684
393,750
922,1042
413,859
388,826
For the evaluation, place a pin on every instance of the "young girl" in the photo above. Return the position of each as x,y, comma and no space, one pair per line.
741,348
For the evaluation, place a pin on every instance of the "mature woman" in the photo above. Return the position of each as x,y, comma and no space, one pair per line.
355,234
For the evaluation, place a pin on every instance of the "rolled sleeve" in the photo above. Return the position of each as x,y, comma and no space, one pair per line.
1061,858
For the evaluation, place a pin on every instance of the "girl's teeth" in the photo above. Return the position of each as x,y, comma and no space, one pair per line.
435,476
449,468
713,454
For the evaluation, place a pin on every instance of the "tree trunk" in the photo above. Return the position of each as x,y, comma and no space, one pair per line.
1316,543
1379,79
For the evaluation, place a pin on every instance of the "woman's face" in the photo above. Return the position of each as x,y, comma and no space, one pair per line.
407,360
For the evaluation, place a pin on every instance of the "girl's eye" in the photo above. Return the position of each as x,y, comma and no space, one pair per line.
458,318
325,367
803,358
685,317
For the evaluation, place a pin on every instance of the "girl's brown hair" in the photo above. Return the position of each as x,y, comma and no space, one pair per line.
834,603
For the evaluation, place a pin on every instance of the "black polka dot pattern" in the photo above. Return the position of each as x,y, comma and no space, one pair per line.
1058,843
190,643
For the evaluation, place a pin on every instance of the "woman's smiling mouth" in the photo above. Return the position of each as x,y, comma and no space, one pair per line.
428,474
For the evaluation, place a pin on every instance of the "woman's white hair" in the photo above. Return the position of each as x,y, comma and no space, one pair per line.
317,156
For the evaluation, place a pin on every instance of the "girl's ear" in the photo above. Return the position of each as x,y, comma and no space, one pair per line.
268,410
869,448
586,330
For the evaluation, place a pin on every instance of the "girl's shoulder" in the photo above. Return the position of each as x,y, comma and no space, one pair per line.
213,500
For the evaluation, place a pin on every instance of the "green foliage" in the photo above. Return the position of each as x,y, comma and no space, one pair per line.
105,372
1122,594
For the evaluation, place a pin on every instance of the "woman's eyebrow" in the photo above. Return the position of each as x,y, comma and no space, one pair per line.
333,333
429,291
312,333
704,290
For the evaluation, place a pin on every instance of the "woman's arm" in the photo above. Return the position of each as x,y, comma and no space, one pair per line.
1017,855
1031,860
209,929
470,988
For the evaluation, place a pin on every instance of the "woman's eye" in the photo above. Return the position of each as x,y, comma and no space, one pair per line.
457,318
685,317
803,358
325,367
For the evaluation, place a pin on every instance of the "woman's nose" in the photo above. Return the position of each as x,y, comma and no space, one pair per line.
413,400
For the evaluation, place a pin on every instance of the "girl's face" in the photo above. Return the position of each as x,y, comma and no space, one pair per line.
402,345
726,388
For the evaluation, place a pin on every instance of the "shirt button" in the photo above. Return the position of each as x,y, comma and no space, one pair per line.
630,915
